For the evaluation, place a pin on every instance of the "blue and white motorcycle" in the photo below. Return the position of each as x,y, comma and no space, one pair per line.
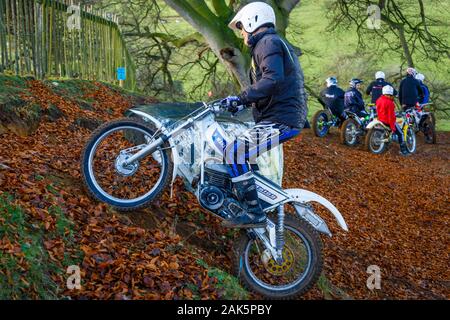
129,162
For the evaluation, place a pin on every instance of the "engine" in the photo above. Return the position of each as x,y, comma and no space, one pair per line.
216,194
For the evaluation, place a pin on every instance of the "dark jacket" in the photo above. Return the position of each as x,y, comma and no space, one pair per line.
333,98
353,100
425,98
409,91
375,89
276,87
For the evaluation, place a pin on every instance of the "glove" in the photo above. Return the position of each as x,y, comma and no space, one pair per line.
233,104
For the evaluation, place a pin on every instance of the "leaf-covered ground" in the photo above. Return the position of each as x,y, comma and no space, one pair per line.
397,210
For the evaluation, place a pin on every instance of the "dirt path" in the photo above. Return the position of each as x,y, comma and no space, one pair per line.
397,210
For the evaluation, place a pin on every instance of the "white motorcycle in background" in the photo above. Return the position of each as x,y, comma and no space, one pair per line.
127,163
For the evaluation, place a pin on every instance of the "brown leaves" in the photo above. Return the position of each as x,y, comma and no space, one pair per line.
396,209
385,201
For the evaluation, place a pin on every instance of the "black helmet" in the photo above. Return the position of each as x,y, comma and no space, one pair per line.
354,82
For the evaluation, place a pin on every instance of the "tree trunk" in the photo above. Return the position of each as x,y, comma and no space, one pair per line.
223,41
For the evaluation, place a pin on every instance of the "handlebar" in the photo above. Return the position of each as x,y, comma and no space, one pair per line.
216,105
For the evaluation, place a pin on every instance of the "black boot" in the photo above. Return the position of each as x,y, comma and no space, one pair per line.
254,217
403,149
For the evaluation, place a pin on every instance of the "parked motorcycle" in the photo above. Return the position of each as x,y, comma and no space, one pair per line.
354,128
380,136
422,119
128,163
323,121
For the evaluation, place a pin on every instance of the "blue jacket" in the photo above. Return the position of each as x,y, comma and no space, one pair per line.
375,89
409,91
425,97
353,100
276,89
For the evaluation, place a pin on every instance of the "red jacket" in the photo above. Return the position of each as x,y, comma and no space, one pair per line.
386,111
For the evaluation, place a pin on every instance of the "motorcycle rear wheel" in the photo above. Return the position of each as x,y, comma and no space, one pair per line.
374,141
349,135
429,131
320,123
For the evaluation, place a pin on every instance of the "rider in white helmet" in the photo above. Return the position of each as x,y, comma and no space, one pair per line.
386,114
375,87
425,97
277,97
332,97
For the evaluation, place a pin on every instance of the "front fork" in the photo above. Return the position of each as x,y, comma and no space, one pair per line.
272,236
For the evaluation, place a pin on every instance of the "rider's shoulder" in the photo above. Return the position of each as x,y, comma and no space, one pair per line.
270,42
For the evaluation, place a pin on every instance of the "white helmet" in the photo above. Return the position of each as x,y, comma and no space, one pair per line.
411,71
331,81
420,77
388,90
379,75
252,16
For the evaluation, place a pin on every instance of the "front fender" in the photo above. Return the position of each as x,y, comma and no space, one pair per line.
305,196
147,117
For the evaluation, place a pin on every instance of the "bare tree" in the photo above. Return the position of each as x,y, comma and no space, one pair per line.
211,22
407,20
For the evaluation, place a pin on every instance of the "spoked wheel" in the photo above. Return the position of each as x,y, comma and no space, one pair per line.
376,140
320,123
410,140
429,131
350,132
110,180
296,274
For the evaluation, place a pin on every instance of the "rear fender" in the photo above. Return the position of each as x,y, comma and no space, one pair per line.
376,122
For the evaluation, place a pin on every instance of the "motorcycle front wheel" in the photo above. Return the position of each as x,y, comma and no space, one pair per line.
410,140
299,271
108,179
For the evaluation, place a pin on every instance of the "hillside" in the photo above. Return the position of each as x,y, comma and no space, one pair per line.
47,222
396,209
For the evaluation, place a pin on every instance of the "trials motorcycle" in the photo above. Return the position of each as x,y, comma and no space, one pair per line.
380,136
323,120
127,163
422,119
